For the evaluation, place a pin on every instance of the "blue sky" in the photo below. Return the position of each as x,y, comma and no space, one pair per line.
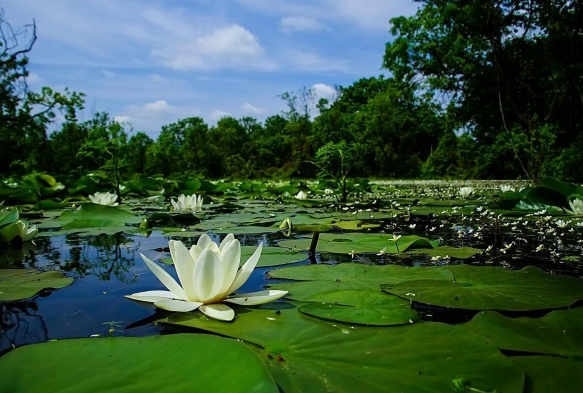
153,62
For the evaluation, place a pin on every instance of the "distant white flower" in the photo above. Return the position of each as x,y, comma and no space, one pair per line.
104,198
26,232
465,192
328,191
506,188
383,251
301,196
187,203
576,206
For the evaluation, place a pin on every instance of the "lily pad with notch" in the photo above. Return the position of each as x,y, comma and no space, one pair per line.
17,284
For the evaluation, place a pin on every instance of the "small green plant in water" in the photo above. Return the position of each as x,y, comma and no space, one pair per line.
463,385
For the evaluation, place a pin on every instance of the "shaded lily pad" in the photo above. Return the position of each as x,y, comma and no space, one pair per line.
557,333
140,364
494,288
17,284
551,374
344,243
362,306
324,278
305,354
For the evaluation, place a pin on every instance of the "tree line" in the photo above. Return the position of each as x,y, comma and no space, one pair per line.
477,89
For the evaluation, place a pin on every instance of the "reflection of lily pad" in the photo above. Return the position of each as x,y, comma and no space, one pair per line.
362,306
494,288
551,374
557,333
344,243
128,364
16,284
314,279
309,355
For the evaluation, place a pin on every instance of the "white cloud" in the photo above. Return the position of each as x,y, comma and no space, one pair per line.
108,74
300,23
324,91
247,107
218,114
227,47
313,62
33,79
159,106
157,78
121,119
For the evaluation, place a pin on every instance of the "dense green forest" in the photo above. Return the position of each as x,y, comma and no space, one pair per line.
477,89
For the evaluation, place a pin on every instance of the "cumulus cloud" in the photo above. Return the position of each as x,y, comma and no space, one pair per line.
324,91
121,119
247,107
159,106
150,117
299,23
226,47
218,114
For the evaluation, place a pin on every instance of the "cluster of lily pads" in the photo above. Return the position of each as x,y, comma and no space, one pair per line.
400,257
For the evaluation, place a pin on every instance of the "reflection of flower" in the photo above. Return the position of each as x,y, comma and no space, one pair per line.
466,191
190,202
208,274
104,198
301,195
576,206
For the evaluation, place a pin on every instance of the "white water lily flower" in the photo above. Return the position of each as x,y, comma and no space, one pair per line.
191,202
466,191
104,198
301,195
26,232
208,274
576,206
506,188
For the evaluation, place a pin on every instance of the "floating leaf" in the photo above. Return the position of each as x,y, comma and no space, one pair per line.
199,363
270,256
551,374
557,333
17,284
308,355
362,306
324,278
494,288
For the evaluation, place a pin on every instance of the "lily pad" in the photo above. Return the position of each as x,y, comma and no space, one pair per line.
362,306
308,355
135,364
551,374
324,278
494,288
344,243
557,333
17,284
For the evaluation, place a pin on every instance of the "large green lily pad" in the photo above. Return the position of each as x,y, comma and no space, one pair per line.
314,279
551,374
173,363
557,333
362,306
308,355
494,288
93,218
17,284
344,243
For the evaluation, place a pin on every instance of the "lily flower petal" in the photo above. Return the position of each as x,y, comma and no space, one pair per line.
230,257
218,311
184,267
254,298
228,239
165,278
195,252
246,270
204,240
152,296
208,275
177,305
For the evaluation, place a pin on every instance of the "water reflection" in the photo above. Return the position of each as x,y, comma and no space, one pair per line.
20,325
